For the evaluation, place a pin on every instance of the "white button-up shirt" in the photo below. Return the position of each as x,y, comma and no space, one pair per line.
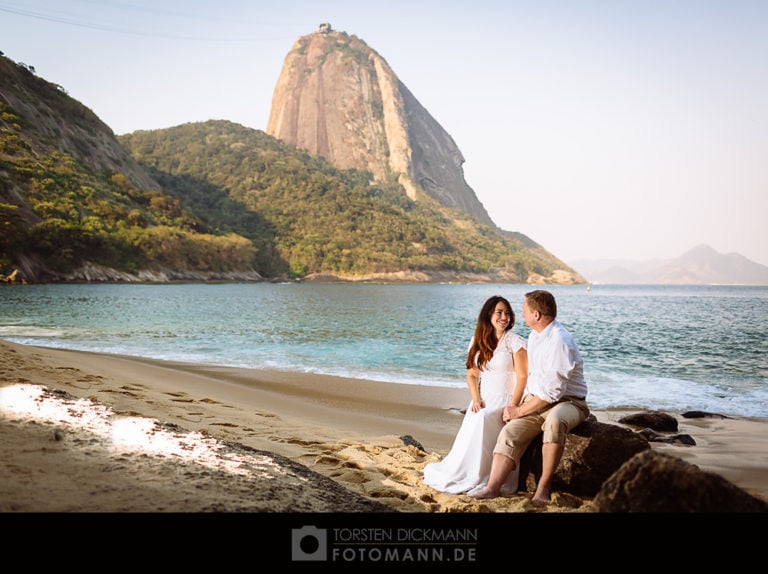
555,366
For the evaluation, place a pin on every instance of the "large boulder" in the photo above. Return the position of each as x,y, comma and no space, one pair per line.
655,482
593,452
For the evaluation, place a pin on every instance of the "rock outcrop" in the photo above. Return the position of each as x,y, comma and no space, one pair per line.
618,469
593,452
655,482
338,98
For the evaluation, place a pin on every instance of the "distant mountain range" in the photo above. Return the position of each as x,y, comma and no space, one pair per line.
702,265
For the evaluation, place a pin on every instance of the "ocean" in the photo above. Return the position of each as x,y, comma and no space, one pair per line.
673,348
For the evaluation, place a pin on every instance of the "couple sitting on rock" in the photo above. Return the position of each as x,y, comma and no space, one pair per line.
519,389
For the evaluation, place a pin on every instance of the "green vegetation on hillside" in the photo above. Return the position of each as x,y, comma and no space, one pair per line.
71,215
306,216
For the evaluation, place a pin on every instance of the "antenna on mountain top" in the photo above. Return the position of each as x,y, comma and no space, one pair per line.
325,27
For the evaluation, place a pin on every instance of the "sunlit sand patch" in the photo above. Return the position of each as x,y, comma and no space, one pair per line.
128,434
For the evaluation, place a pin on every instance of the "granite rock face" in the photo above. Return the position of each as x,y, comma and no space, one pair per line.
338,98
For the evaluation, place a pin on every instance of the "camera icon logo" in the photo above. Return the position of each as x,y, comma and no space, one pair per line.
309,543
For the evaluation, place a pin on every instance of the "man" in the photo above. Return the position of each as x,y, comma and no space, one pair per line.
554,402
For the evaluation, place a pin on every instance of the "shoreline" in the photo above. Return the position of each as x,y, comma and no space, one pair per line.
347,430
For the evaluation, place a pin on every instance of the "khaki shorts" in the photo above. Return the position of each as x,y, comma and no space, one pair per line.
555,421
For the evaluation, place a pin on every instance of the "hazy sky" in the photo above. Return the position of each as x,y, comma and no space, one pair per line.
633,129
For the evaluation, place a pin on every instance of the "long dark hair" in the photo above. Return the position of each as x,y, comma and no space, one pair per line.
484,342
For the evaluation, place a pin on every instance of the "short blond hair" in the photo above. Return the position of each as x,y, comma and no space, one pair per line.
543,302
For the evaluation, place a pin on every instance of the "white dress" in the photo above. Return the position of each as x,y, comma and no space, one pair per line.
468,464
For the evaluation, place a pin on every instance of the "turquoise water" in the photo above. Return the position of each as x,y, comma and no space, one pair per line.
660,347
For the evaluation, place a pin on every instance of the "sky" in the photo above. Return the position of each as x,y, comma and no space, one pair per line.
601,129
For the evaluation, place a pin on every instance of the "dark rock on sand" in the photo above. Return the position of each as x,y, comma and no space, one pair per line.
653,436
702,414
408,440
655,420
657,482
593,452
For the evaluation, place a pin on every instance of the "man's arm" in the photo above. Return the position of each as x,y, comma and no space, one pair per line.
532,405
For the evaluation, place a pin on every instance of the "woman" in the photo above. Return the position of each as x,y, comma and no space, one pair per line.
497,372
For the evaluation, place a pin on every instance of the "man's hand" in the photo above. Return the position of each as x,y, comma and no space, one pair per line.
511,412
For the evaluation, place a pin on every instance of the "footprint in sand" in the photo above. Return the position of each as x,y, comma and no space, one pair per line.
384,492
191,418
301,442
329,460
179,398
86,382
82,385
351,477
120,391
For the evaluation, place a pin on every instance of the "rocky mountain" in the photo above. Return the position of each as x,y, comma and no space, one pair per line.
218,201
702,265
337,98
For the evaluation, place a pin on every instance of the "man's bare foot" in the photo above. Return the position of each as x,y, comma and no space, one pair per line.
541,497
484,494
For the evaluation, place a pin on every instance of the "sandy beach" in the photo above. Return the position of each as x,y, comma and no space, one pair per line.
218,439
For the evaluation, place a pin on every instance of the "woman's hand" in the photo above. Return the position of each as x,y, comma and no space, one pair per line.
477,405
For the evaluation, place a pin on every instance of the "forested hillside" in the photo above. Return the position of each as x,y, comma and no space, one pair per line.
70,196
305,216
